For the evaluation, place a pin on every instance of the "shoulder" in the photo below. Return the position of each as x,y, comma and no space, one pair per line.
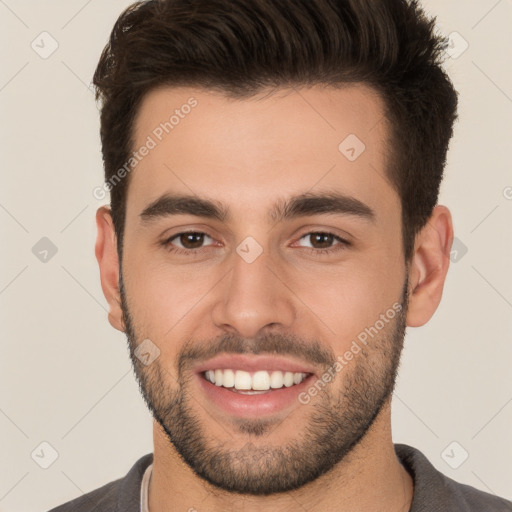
104,498
119,495
435,491
474,499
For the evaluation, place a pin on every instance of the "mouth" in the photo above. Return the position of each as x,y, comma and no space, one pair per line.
252,383
251,387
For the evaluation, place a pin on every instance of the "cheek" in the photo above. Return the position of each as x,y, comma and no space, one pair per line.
156,311
351,297
165,300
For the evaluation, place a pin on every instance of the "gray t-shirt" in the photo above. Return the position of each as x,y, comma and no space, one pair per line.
433,491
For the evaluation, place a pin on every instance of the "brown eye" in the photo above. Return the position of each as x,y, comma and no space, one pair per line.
191,240
188,241
324,242
321,240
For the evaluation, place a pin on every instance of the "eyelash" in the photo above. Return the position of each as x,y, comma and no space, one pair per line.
318,252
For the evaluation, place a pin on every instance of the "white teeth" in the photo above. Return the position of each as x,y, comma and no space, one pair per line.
242,379
297,378
276,380
288,379
259,381
228,379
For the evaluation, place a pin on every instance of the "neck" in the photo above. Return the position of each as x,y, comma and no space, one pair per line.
369,478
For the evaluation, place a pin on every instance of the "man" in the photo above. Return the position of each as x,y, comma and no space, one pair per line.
274,169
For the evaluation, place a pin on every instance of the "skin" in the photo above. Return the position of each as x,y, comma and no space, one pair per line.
248,154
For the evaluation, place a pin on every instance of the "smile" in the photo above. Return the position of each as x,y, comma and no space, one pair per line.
253,382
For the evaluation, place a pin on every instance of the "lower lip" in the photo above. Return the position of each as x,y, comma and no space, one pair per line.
246,406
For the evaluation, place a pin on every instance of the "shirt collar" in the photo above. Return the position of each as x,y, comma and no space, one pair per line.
144,489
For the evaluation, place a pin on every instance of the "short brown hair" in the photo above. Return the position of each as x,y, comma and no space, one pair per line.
242,47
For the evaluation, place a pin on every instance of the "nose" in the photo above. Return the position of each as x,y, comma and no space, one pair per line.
254,296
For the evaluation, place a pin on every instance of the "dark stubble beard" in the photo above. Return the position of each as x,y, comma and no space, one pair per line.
337,423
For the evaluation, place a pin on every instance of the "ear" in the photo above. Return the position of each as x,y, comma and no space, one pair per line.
429,266
108,261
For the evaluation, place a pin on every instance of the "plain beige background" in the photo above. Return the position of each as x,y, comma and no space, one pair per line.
66,378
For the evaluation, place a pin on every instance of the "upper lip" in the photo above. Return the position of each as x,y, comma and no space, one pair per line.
254,364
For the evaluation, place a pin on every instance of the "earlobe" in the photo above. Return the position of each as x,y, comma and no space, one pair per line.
429,266
108,261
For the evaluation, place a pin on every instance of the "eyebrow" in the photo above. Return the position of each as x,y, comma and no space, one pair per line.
307,204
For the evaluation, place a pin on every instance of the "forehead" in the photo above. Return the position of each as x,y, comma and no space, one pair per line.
251,151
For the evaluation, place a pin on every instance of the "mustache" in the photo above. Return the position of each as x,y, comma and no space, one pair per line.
267,344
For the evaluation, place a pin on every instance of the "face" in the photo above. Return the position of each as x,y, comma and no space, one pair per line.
278,317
